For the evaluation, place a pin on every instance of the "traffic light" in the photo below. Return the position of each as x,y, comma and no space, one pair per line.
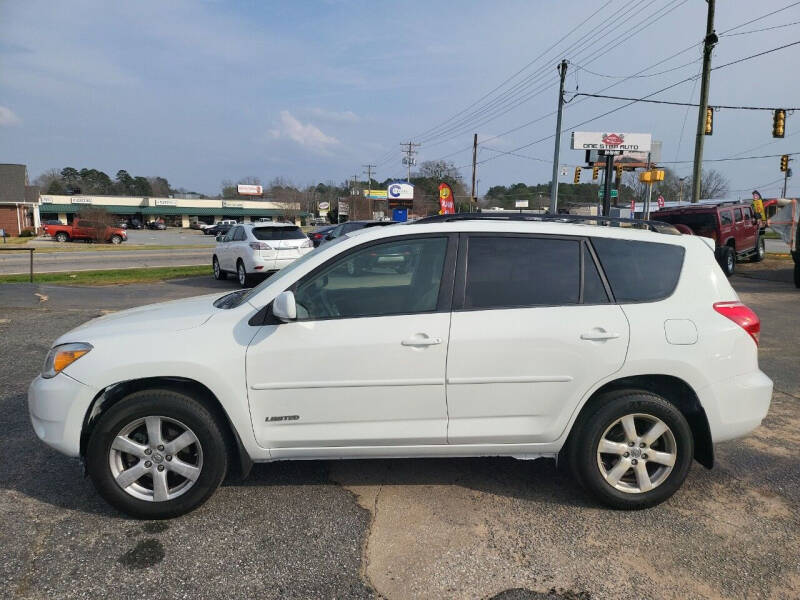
619,172
577,175
595,172
778,123
784,163
709,121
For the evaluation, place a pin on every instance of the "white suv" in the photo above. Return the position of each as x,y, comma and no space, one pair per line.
258,249
624,352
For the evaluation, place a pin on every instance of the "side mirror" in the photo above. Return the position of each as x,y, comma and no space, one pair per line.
329,237
219,237
284,307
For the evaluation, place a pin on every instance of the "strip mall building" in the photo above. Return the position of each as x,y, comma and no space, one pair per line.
176,212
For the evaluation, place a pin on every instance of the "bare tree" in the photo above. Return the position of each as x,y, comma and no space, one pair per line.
100,218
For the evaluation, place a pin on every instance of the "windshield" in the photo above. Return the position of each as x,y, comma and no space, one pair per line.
278,233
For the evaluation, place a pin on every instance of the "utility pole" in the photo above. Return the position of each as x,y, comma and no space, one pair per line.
368,173
409,159
786,174
607,185
474,165
562,70
708,45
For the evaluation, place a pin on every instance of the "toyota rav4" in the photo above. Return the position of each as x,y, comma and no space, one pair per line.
623,352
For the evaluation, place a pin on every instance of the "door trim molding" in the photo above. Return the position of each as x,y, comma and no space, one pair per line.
355,383
512,379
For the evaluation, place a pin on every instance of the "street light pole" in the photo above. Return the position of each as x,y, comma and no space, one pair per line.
562,70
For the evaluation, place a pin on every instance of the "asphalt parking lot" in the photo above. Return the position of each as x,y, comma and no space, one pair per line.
449,528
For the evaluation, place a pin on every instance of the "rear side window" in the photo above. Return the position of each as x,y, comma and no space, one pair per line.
594,292
726,217
738,213
238,234
278,233
639,271
505,272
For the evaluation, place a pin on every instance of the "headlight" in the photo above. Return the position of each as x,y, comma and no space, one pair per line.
62,356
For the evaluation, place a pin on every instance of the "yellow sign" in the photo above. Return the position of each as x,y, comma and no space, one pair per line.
376,194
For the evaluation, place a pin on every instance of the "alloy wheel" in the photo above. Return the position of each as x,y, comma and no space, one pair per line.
636,453
242,274
216,268
155,458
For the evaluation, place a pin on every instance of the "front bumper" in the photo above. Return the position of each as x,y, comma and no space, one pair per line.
57,408
736,406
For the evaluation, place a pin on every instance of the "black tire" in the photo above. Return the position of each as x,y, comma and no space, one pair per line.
727,260
590,428
62,237
760,250
170,405
116,239
219,274
242,277
797,275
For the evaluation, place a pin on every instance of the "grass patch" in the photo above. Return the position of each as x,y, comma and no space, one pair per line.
111,277
771,235
84,247
15,240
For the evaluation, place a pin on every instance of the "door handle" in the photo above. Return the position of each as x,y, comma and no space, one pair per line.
423,340
599,336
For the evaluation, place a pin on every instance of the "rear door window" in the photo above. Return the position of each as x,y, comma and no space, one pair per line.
726,217
278,233
639,271
519,271
738,213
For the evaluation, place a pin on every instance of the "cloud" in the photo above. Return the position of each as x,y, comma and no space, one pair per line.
307,134
347,116
7,117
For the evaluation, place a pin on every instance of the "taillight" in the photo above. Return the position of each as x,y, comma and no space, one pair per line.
307,244
742,315
260,246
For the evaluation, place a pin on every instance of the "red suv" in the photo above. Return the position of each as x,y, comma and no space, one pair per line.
734,226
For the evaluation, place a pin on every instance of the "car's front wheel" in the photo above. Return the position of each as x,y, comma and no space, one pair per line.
116,239
156,454
219,274
633,450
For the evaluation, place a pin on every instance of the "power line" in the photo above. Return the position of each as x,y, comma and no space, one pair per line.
769,14
626,77
671,103
763,29
705,160
752,56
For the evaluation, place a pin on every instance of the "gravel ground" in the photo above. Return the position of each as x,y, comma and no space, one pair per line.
460,528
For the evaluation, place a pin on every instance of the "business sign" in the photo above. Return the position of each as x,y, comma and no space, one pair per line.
376,194
80,200
520,204
344,208
324,205
400,191
249,190
446,204
229,204
165,202
625,142
660,201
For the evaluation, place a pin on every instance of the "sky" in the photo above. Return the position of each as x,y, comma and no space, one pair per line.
203,91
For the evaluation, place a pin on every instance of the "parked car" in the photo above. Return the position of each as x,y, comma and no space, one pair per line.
318,235
198,225
134,223
619,351
350,226
217,229
159,225
81,229
258,249
736,229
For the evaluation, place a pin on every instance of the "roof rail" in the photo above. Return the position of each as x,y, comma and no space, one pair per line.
657,226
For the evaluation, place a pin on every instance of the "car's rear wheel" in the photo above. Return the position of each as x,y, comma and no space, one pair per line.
116,239
797,275
241,274
157,454
633,450
61,237
219,274
727,260
760,252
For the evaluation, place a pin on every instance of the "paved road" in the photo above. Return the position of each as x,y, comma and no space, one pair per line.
51,262
451,528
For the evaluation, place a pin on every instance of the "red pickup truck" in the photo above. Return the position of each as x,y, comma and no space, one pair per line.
82,229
